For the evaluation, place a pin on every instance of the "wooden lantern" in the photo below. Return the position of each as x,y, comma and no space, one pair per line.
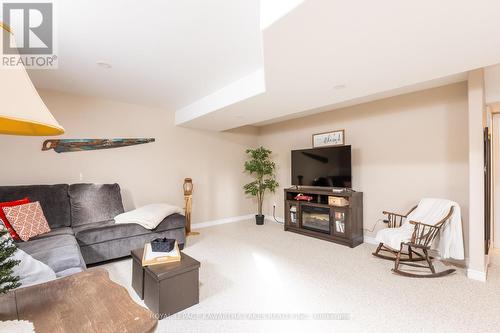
188,186
188,196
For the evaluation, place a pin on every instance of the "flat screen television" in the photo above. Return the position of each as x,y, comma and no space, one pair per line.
324,167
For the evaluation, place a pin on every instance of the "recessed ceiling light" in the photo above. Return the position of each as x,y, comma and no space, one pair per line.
104,64
339,86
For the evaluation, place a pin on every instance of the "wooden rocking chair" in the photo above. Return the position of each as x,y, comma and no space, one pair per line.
422,237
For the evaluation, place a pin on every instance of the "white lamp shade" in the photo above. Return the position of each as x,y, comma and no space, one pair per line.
22,111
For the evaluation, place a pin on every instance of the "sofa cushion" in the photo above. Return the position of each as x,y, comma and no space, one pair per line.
52,198
30,270
118,248
44,244
108,230
55,232
91,203
82,227
58,252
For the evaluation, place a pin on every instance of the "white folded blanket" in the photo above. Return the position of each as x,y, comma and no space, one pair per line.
450,243
148,216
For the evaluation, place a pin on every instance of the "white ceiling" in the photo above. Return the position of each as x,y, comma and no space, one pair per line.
165,53
210,62
373,48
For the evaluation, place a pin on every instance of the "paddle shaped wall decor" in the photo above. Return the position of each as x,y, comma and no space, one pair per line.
69,145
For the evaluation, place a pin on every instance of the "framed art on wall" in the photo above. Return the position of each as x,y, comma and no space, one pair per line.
333,138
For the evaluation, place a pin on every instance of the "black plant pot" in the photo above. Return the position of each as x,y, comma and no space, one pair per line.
259,219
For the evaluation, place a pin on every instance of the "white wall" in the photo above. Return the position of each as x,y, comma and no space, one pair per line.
492,84
403,148
147,173
476,123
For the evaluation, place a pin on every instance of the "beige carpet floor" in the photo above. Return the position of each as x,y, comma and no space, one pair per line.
249,273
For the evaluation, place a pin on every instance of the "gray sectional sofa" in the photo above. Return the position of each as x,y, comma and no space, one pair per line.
82,227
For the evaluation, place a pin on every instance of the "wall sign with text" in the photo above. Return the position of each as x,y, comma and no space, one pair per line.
334,138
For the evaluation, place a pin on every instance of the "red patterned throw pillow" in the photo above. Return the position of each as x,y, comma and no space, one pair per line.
27,220
4,219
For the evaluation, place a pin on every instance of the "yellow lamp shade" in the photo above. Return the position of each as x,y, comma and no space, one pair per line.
22,111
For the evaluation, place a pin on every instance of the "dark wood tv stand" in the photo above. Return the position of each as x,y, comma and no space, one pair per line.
339,222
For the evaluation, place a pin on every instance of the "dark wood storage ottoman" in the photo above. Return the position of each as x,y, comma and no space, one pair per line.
138,272
166,288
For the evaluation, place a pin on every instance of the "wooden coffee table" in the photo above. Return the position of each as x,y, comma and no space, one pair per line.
166,288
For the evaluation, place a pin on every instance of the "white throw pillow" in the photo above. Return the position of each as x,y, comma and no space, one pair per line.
30,270
149,216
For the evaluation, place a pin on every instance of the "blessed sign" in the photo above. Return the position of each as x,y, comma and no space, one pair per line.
335,138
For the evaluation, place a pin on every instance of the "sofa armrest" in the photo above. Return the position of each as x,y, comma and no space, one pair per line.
174,221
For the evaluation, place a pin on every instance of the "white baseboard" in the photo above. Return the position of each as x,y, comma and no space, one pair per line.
370,240
476,275
225,220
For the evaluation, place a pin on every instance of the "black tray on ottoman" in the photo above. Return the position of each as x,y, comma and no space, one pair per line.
166,288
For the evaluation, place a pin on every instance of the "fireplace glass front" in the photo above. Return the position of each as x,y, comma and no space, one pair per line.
316,218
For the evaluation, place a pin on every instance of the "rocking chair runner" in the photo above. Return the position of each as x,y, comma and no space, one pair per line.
422,237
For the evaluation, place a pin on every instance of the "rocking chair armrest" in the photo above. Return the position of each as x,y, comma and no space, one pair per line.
399,215
427,225
396,214
393,220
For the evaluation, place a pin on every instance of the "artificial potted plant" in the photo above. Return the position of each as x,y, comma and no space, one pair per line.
262,169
